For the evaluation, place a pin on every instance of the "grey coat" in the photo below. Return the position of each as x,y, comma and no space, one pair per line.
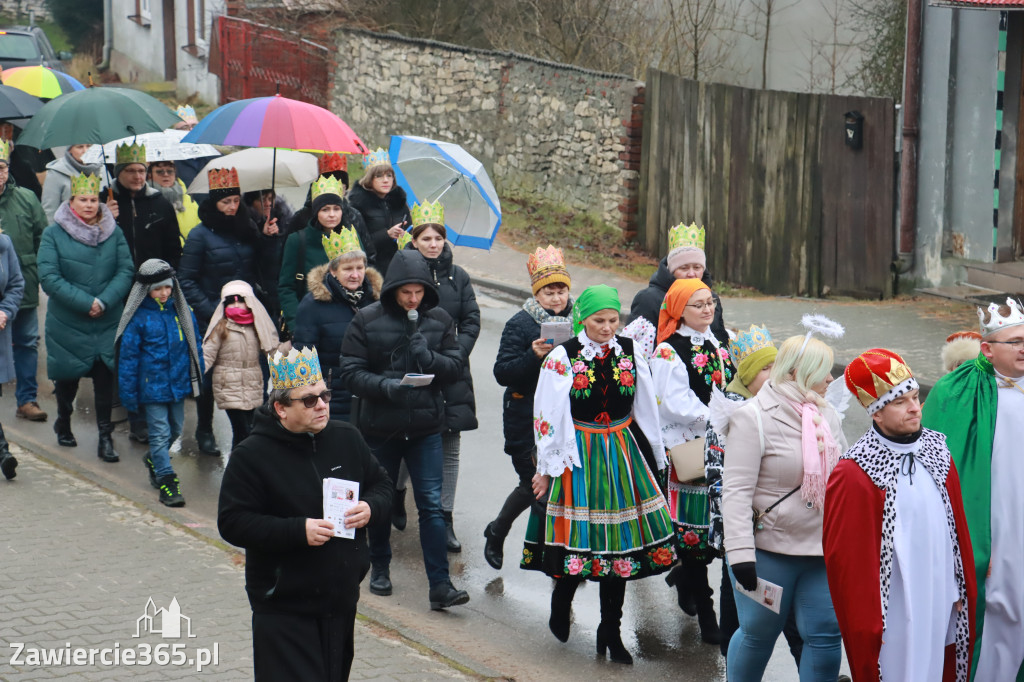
12,288
57,187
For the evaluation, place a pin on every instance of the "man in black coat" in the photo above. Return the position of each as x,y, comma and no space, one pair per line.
147,219
647,302
405,332
302,581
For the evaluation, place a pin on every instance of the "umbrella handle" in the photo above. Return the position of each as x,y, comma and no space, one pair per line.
450,185
273,170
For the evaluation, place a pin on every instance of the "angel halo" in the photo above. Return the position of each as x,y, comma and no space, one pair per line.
822,325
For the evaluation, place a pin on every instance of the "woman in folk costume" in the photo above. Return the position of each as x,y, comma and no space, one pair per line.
688,362
594,415
897,550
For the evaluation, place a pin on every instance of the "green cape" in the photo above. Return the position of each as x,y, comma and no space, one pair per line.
963,407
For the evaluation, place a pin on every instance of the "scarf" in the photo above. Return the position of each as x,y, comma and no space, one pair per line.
678,296
882,465
238,226
81,231
594,299
541,315
819,448
174,194
241,316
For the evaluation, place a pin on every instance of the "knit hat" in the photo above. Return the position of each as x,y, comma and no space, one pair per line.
547,266
960,347
223,183
686,245
752,351
877,377
169,282
326,191
678,296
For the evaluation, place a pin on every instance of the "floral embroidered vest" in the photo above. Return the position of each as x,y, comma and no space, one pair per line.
603,388
705,364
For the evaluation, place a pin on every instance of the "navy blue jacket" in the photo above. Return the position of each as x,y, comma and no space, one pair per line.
153,362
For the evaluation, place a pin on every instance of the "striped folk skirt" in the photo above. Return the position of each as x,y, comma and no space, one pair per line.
691,517
606,518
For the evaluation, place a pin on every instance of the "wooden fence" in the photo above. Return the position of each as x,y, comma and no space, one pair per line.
789,207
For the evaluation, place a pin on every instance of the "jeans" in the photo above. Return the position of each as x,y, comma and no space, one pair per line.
728,622
424,458
25,340
804,591
451,443
164,421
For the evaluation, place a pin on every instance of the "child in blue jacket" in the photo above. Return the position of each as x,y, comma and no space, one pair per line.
159,364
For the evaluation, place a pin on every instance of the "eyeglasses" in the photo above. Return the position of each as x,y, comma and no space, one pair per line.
163,171
310,401
709,305
1016,344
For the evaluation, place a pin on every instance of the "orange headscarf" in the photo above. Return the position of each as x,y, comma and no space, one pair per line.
672,307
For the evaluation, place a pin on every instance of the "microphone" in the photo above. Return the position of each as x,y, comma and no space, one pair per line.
414,317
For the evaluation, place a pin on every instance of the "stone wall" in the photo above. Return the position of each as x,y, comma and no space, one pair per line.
567,134
13,7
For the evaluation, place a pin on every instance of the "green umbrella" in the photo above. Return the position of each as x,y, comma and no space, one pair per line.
97,116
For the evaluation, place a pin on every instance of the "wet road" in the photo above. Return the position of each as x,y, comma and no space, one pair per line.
504,627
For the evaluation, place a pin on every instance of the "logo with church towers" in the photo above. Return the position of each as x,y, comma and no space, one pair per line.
169,623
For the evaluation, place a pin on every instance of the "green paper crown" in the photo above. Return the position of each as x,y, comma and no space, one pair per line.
325,184
343,241
427,213
130,153
85,185
5,151
377,158
403,240
683,235
298,368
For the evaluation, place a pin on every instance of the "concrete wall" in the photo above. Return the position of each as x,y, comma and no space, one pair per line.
957,133
543,128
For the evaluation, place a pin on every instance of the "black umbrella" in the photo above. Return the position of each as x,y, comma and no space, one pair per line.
15,103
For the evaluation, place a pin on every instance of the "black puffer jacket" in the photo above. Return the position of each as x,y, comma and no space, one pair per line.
272,484
350,217
458,300
517,368
381,213
270,247
149,224
647,302
375,355
322,319
220,249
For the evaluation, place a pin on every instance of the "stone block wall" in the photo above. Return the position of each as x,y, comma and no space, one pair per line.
569,135
12,7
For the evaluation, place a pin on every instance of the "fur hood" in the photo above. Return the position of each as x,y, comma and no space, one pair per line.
318,287
959,351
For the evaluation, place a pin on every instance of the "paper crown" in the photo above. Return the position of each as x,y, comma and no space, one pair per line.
996,320
332,162
877,377
547,266
223,178
187,114
5,151
403,240
85,185
298,368
325,184
749,342
377,158
683,235
345,240
427,213
130,153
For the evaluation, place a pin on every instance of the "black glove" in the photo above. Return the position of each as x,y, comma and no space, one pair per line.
394,391
418,350
746,575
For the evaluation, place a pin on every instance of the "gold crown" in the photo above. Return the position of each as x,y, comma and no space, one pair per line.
427,213
683,235
187,114
377,158
223,178
5,151
298,368
345,240
325,184
85,185
332,162
130,153
749,342
542,260
997,321
403,240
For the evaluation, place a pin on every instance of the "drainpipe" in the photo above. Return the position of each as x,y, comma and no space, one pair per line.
108,33
908,159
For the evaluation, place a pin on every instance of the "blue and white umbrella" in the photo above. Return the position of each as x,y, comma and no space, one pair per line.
429,170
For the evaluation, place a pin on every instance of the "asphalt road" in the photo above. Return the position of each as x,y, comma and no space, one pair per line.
503,630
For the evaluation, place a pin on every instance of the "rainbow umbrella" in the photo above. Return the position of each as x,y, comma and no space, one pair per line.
40,81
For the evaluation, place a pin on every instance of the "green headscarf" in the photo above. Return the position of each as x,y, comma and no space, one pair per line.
593,299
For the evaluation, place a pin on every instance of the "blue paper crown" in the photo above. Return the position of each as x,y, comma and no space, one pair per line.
377,158
298,368
749,342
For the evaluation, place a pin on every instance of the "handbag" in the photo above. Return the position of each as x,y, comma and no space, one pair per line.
687,460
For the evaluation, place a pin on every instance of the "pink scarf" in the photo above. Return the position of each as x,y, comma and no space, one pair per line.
239,315
819,448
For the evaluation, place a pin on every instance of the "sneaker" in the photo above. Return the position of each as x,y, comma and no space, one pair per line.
31,411
148,461
175,446
170,491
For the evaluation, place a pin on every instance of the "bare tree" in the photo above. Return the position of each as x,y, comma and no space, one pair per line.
830,56
763,13
884,26
699,42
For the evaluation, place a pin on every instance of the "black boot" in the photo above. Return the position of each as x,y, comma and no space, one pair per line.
708,621
398,516
494,547
105,448
561,607
170,491
451,541
677,578
207,442
609,639
62,424
380,581
445,595
8,463
148,461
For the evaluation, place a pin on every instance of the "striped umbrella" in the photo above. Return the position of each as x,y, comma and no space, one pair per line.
40,81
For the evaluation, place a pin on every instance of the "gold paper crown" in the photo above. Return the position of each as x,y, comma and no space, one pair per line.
427,213
298,368
345,240
377,158
683,235
332,162
85,185
997,321
223,178
749,342
5,151
325,184
542,260
187,114
130,153
403,240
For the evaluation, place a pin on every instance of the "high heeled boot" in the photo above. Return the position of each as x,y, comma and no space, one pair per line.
609,637
65,407
561,607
